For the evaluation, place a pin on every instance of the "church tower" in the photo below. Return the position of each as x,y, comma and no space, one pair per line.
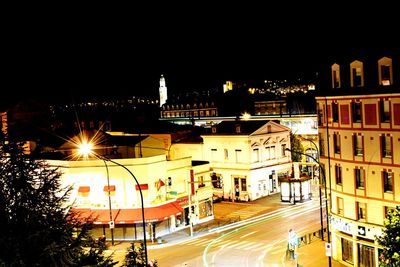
163,91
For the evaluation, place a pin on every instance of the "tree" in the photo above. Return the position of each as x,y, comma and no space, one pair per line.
390,240
136,256
296,146
37,227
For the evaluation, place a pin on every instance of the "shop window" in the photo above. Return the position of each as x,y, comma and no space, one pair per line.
366,256
243,184
347,250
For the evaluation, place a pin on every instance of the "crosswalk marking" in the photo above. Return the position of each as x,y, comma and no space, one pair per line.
233,244
247,212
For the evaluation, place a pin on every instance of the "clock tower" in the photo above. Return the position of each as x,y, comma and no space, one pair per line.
163,91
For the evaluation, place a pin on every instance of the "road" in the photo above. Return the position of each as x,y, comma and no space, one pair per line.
261,242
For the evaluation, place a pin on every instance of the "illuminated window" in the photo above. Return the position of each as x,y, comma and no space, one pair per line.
347,250
386,144
226,154
356,73
366,255
360,178
385,71
321,145
237,155
358,145
243,184
200,181
335,76
256,155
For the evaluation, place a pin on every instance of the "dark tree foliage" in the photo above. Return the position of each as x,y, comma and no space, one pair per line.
136,256
296,146
37,228
390,240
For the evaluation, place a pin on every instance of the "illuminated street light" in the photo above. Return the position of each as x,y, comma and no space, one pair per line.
326,196
85,149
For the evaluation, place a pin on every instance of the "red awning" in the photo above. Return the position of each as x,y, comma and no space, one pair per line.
142,187
112,188
99,216
130,216
84,189
152,214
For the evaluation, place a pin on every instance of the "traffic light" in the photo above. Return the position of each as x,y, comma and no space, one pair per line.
169,181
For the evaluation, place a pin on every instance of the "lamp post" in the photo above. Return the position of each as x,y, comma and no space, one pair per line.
86,149
326,198
109,204
319,187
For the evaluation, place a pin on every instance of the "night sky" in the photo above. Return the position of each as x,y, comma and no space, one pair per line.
113,53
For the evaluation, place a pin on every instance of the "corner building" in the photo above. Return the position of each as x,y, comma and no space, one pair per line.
359,138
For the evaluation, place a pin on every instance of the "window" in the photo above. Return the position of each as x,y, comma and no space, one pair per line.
356,111
256,155
283,150
386,143
347,250
335,112
226,154
243,184
387,181
321,144
358,145
237,155
335,76
336,143
340,210
360,178
213,154
388,209
366,256
361,211
385,71
216,180
320,116
357,79
338,174
200,181
384,110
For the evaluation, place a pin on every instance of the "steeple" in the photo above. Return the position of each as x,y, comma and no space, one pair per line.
163,91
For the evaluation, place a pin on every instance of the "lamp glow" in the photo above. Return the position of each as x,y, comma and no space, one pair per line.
85,149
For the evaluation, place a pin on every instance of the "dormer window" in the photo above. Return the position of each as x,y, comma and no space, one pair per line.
335,76
385,71
357,74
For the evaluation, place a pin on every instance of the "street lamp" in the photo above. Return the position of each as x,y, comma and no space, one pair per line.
86,149
109,204
326,197
319,187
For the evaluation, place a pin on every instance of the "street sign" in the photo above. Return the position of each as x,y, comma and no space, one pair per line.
112,225
328,249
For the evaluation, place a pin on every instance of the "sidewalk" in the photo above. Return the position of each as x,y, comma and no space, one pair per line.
310,255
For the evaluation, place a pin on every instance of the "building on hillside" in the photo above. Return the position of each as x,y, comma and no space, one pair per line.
172,198
359,136
247,154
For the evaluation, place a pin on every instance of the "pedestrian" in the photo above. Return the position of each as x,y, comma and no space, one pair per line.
237,192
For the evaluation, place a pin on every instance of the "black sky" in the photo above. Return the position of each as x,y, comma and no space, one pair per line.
122,51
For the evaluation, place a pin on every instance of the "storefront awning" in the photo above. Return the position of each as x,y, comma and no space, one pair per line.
152,214
130,216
